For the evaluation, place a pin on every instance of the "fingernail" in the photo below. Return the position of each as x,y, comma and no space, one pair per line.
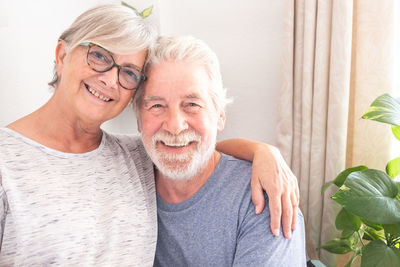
258,209
275,232
289,235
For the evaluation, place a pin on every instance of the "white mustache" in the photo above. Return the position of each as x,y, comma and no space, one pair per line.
181,139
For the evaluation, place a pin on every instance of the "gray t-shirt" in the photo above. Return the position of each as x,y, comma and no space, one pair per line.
62,209
217,226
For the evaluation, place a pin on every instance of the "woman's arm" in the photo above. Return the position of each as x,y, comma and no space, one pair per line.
271,173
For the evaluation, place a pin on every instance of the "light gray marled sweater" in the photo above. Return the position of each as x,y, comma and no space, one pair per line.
62,209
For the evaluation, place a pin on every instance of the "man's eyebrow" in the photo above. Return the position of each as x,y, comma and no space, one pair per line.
193,96
152,98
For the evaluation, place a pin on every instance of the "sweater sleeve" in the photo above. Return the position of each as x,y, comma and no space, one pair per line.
3,212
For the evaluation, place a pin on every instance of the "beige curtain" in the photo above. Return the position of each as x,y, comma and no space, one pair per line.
336,60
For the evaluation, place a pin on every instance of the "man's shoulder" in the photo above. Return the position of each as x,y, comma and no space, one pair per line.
234,164
233,172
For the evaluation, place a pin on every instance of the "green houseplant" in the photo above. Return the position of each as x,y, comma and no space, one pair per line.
370,200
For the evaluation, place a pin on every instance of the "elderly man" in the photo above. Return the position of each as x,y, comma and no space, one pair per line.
205,213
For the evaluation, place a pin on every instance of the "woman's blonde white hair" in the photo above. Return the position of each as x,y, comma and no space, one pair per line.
115,27
189,50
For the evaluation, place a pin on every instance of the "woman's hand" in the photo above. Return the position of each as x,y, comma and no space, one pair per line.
270,173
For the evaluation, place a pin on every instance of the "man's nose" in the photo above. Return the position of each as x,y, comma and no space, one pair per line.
175,121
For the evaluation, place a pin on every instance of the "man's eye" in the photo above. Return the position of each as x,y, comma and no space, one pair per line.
156,106
193,105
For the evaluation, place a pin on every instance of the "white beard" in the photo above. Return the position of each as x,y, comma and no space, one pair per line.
184,166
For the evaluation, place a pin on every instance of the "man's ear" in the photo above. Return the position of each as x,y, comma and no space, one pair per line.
221,121
61,52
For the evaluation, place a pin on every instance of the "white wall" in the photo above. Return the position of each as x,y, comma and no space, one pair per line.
245,35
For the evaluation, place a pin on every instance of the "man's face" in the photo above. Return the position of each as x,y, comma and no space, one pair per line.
178,119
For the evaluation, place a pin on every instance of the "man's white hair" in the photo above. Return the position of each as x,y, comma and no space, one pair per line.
189,50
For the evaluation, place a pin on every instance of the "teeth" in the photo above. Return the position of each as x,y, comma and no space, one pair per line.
95,93
175,144
181,140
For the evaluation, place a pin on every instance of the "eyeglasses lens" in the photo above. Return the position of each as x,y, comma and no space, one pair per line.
101,61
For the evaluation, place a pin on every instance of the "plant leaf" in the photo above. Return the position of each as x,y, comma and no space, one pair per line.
339,180
370,194
353,258
354,239
396,131
347,221
347,233
386,109
393,167
338,246
146,12
376,226
127,5
372,234
377,253
393,229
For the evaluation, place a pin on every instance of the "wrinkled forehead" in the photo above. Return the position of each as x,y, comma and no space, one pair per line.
182,77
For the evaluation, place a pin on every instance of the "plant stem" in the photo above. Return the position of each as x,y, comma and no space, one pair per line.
362,243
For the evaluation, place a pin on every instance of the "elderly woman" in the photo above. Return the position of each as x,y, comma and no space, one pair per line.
72,194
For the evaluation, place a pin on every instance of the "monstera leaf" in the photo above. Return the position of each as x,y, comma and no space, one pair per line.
385,109
338,246
396,131
377,254
370,201
371,195
347,221
393,168
339,180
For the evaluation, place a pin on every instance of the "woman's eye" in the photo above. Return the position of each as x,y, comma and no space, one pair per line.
99,55
130,74
99,58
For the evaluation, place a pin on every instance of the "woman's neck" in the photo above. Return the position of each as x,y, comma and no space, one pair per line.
55,128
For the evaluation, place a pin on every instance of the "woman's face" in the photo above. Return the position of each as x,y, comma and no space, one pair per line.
87,95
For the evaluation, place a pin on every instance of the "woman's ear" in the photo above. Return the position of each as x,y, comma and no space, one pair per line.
61,52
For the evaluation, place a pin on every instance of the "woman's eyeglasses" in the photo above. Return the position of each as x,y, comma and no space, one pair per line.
101,60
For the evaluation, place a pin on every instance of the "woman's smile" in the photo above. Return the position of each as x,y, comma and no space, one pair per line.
97,94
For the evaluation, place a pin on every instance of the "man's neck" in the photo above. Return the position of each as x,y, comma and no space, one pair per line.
173,191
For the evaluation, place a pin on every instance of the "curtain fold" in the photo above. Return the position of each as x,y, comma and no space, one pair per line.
338,57
316,85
